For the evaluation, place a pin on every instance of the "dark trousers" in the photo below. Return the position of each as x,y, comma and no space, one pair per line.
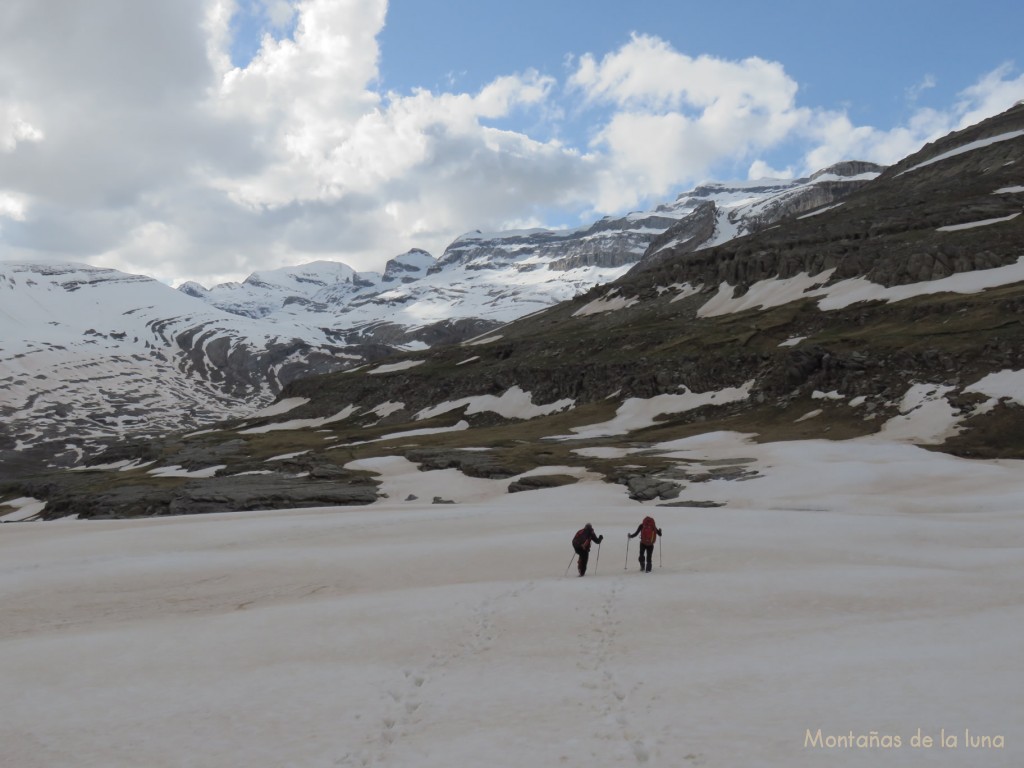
584,555
646,554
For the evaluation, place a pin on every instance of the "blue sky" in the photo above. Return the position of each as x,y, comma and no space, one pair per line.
864,56
205,139
879,61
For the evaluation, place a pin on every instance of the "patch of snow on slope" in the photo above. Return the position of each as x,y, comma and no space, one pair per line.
725,228
514,403
833,395
413,346
773,292
176,471
847,292
301,423
809,415
819,211
286,456
125,465
1009,191
926,417
25,508
400,366
609,303
981,223
966,148
821,178
282,406
637,413
1005,384
386,409
683,291
460,426
485,340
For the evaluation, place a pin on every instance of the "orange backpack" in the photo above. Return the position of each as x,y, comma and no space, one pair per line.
648,531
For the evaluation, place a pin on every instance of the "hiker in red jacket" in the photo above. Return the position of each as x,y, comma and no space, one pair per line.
581,543
649,532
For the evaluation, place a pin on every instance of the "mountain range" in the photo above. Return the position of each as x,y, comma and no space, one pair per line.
90,356
860,304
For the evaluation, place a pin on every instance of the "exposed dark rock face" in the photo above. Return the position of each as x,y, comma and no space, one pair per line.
379,341
471,463
643,488
688,235
216,494
622,242
409,267
537,482
886,232
638,238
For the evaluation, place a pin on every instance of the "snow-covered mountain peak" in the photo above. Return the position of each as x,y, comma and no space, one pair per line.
192,288
266,291
409,266
846,171
319,274
52,296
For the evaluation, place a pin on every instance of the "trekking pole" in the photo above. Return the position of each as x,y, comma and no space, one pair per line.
659,551
570,564
598,558
624,567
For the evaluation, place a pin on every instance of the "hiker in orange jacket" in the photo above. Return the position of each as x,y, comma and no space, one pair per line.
581,545
648,531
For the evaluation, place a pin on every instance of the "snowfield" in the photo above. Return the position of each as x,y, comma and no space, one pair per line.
775,292
859,588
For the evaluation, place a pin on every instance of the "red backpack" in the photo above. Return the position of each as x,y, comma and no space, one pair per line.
582,539
648,531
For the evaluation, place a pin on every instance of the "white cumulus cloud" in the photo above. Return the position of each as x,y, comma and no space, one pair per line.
130,139
675,117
